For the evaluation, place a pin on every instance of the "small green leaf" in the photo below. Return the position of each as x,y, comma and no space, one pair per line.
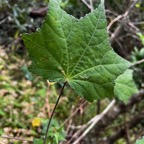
28,75
2,113
141,36
56,133
77,51
125,86
38,141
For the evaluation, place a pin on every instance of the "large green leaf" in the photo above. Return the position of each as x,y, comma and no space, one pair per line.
125,86
77,51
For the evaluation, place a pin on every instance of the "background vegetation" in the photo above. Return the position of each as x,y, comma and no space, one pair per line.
26,100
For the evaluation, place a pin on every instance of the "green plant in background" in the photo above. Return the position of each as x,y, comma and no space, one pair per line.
56,133
140,5
141,36
141,141
77,52
136,56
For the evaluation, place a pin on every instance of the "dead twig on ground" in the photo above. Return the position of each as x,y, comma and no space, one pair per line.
96,119
123,21
16,139
122,132
87,127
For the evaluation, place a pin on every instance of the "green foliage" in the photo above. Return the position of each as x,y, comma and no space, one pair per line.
56,134
15,17
125,86
38,141
137,54
141,36
28,75
76,51
141,141
22,100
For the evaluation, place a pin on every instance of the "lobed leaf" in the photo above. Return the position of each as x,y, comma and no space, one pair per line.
125,86
77,51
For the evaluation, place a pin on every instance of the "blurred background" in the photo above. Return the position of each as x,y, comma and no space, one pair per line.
26,100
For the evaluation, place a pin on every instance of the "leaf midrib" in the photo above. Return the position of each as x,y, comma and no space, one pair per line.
65,38
86,47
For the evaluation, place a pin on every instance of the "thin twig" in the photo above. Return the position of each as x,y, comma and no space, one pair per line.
111,12
82,127
133,26
127,134
48,126
113,21
85,126
3,21
69,120
138,23
82,105
85,2
138,62
17,139
127,12
130,8
121,132
91,5
95,121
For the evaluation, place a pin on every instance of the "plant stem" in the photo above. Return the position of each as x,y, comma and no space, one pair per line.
98,106
48,126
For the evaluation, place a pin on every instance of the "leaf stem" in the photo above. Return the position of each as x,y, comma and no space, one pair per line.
48,126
